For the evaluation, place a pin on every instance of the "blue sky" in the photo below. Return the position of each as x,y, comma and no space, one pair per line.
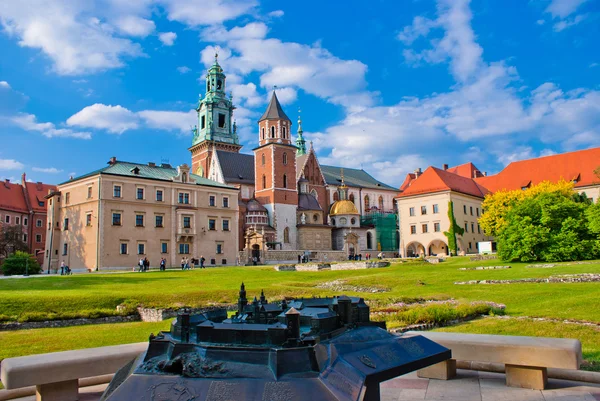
386,85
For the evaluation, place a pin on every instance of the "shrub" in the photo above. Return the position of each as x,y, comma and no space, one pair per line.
20,263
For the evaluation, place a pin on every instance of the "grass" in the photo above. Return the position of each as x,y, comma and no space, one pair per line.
588,335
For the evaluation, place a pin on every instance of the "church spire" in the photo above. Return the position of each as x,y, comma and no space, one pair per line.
274,110
274,125
342,189
300,142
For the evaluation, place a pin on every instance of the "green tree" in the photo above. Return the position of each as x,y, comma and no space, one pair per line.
11,240
454,230
20,263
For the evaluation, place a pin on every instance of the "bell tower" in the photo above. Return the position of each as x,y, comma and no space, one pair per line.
275,172
215,129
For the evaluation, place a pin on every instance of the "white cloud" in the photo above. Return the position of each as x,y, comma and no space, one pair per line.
285,95
276,14
10,164
183,69
246,93
218,33
540,22
563,8
193,13
29,122
4,84
592,65
169,120
114,119
569,22
135,26
47,170
167,38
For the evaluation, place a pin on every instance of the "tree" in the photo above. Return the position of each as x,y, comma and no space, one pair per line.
453,230
11,240
20,263
498,204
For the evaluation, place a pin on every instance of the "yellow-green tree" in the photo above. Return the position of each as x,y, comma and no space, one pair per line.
498,204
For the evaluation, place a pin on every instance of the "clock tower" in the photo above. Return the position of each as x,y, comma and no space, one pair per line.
215,129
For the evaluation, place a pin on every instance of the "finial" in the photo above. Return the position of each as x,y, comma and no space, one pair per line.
342,175
274,87
216,56
311,145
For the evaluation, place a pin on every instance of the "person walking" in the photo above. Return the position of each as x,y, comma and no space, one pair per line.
202,261
62,268
163,262
146,264
182,263
141,265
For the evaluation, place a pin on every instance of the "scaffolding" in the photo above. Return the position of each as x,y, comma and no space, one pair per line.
386,229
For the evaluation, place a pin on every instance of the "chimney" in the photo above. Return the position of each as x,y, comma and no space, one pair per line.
23,179
112,160
485,173
7,181
445,166
151,164
418,172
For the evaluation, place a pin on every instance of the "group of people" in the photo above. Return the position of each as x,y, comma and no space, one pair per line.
368,256
187,264
64,269
143,265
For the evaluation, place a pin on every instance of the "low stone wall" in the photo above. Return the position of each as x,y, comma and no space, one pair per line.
477,258
158,315
313,267
292,256
485,268
566,278
66,322
371,264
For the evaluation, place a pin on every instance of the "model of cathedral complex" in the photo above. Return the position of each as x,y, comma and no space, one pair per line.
288,200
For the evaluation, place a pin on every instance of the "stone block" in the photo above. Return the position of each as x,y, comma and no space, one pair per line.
441,371
532,377
60,391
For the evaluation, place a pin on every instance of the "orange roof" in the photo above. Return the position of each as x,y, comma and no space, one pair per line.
36,192
410,177
578,166
12,197
468,170
438,180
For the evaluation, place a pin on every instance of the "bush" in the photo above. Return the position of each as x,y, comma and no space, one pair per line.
20,263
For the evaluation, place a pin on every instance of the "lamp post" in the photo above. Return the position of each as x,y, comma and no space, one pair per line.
27,267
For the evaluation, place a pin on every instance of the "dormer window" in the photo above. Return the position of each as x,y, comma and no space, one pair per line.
135,170
184,177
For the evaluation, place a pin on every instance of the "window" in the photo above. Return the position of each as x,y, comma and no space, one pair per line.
159,221
184,198
472,227
116,219
478,229
423,228
184,249
225,202
164,247
187,222
435,209
66,224
202,122
286,235
367,202
380,202
159,195
123,250
436,227
225,225
465,209
423,209
343,221
315,217
263,159
139,220
41,203
283,131
411,211
89,194
184,177
212,224
38,223
116,191
24,237
353,221
219,248
38,238
413,229
221,120
17,220
273,132
141,249
466,228
25,221
285,158
140,193
263,137
333,222
351,198
471,207
477,209
336,197
285,181
65,249
264,181
212,200
88,219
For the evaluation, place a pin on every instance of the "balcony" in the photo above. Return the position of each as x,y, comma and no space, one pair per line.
185,234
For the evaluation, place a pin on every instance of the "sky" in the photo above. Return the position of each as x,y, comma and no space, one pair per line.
386,85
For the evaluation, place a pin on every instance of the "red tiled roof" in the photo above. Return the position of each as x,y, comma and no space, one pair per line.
438,180
37,191
468,170
578,165
12,197
410,177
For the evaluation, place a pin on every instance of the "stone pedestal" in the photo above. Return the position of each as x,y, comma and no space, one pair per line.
442,371
532,377
60,391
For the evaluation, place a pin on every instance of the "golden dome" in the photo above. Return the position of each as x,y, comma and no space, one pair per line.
343,207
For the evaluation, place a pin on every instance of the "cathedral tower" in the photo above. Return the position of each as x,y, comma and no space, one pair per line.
215,129
275,172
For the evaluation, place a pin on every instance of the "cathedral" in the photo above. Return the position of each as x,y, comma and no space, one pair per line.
287,199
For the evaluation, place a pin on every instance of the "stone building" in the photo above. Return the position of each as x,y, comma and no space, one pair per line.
424,197
24,205
112,217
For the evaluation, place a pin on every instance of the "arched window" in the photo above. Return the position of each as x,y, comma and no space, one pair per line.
369,240
353,221
184,177
286,235
314,193
343,221
285,158
285,181
264,181
263,133
283,131
336,197
367,205
351,198
380,202
263,159
273,131
315,217
219,83
333,222
208,86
